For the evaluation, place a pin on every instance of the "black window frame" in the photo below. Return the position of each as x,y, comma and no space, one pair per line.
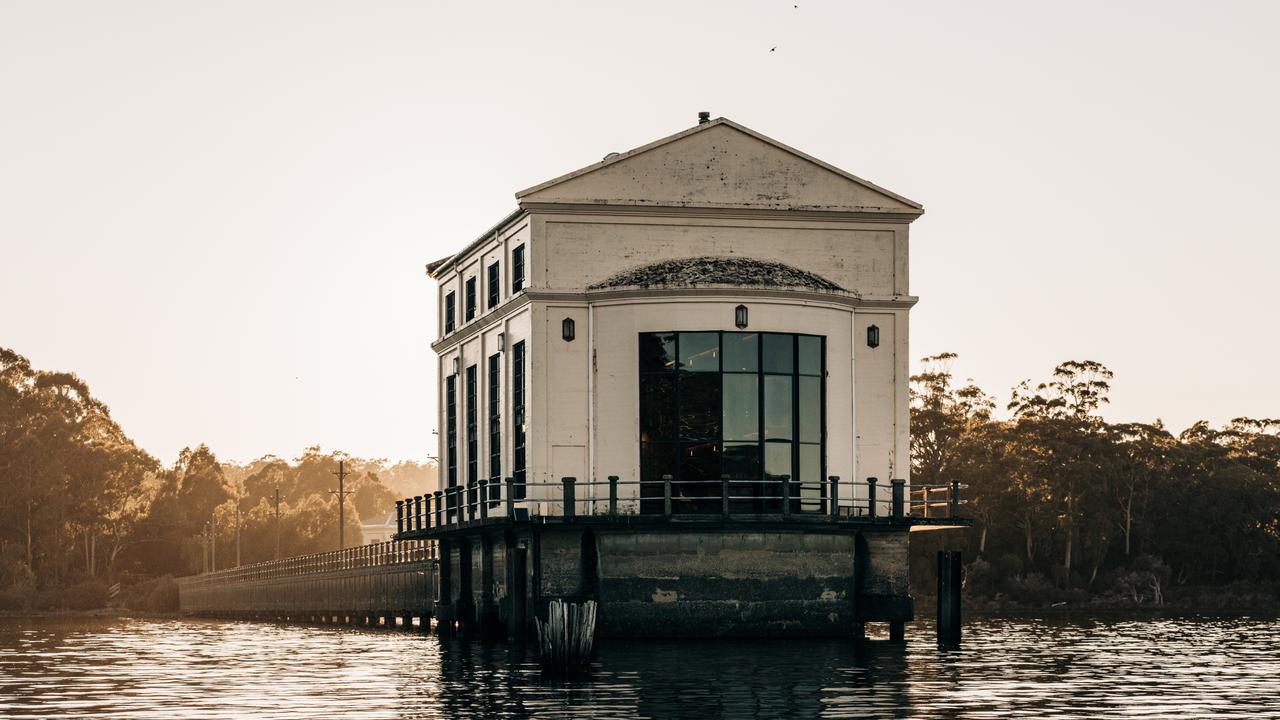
495,426
473,450
451,437
450,312
672,441
517,269
470,299
518,411
494,280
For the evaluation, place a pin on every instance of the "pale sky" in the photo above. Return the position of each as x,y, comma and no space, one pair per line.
218,213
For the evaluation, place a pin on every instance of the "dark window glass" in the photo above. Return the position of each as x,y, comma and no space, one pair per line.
493,283
741,352
744,407
471,299
741,407
517,269
656,460
473,459
778,353
777,407
809,408
809,349
777,460
517,420
451,428
699,406
657,352
657,407
810,485
495,420
700,352
699,478
450,311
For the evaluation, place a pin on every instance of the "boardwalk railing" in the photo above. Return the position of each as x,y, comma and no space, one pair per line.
729,498
381,579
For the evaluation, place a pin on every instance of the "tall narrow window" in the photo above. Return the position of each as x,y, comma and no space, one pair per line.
471,299
450,312
451,429
517,269
743,406
495,426
517,419
493,287
473,459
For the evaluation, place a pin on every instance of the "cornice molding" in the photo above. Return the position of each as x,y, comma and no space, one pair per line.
484,322
696,211
611,296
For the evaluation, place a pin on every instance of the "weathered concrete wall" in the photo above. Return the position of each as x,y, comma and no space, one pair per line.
726,583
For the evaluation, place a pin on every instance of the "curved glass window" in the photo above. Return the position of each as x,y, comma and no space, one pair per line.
746,407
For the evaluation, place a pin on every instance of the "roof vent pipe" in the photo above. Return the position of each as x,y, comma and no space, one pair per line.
704,117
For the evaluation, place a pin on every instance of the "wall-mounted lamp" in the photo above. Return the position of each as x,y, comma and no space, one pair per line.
740,316
455,366
567,330
873,336
502,342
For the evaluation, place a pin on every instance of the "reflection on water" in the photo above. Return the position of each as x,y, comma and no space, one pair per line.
1007,668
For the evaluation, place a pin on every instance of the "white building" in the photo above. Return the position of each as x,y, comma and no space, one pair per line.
712,303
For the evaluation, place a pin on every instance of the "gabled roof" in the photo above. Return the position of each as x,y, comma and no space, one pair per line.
719,164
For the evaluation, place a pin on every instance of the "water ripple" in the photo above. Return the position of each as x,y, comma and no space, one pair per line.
105,668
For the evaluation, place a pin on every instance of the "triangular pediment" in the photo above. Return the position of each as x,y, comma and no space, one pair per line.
719,164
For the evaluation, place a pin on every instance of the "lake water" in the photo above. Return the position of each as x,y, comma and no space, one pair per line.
123,668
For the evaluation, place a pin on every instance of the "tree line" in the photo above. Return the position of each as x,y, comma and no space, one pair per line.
82,507
1069,506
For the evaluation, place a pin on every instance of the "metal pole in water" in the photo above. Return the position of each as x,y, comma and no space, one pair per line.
949,580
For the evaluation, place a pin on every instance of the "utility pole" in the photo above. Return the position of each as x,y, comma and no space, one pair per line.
213,542
237,533
277,557
342,494
204,555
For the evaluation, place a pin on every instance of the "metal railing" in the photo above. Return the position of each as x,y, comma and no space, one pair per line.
779,497
395,552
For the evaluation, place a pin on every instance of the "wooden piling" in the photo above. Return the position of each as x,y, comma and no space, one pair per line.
567,639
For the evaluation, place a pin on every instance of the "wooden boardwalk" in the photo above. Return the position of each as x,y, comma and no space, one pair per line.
367,585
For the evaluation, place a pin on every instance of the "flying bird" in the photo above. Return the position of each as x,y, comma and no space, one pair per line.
775,47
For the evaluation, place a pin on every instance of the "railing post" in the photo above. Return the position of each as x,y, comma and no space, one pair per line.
570,504
511,498
438,509
471,492
613,494
955,497
724,495
426,511
666,495
786,496
871,496
833,496
417,512
899,491
399,516
483,497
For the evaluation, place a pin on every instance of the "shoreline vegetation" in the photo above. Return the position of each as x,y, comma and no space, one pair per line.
1072,513
89,519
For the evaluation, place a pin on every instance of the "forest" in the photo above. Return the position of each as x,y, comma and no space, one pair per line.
1070,509
1067,507
86,514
